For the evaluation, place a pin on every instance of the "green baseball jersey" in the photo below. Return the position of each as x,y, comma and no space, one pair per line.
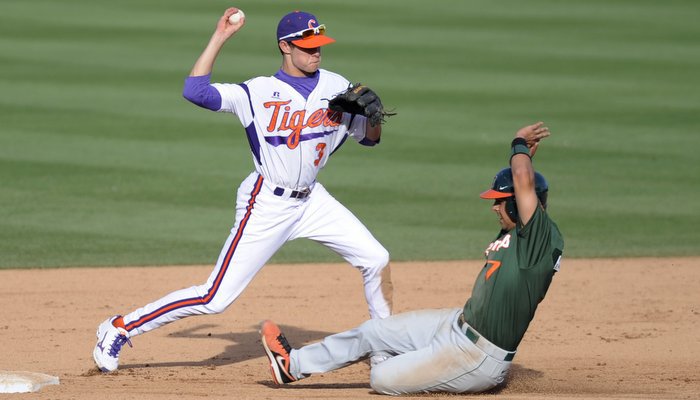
519,267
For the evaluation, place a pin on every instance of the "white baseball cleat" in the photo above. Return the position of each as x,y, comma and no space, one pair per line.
110,340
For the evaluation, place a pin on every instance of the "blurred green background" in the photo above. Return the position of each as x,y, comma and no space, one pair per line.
102,162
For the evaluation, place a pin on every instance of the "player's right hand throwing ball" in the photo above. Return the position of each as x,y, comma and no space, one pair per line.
229,23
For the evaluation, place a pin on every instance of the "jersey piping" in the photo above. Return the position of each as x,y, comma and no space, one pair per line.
219,277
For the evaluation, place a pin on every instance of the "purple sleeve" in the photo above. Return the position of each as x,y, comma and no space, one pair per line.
199,91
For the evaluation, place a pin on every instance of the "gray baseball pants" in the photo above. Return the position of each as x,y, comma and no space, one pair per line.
425,351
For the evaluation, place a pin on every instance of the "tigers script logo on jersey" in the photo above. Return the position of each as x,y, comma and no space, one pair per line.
504,242
282,119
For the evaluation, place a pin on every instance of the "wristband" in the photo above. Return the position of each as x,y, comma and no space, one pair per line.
519,146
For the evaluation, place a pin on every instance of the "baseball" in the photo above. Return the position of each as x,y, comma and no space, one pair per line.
237,17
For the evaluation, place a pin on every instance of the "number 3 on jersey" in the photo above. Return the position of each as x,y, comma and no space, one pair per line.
319,148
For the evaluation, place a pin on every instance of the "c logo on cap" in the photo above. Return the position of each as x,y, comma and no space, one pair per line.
311,22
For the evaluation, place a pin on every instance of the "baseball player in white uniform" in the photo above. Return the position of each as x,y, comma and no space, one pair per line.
292,134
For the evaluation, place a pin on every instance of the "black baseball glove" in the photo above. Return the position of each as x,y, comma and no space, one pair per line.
359,99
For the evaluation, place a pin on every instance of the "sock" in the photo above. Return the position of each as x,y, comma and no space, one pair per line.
119,322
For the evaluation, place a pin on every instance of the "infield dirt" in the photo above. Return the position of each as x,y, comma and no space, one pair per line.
620,328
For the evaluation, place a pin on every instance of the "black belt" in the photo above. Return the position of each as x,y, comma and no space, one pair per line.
295,194
488,347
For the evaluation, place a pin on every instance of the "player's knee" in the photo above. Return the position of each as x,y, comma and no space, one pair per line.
380,382
368,327
218,302
216,308
376,383
384,258
379,259
217,305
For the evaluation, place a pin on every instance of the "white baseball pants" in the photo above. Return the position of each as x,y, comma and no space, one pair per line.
264,222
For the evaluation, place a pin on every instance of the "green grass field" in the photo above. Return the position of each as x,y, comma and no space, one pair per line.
102,162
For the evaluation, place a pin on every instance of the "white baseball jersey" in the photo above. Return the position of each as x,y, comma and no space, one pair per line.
290,137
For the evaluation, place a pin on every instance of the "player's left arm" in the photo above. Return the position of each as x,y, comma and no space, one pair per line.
373,133
524,146
358,99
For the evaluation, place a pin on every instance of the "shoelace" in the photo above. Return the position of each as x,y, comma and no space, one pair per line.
117,344
284,343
